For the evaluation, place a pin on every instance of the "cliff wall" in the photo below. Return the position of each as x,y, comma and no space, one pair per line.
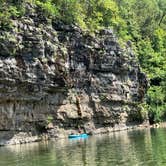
56,79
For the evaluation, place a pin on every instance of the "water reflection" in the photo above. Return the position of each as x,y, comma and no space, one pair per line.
142,147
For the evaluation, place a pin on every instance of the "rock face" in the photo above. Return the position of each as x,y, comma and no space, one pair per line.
56,79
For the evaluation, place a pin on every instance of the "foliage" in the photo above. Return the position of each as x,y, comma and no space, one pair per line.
8,10
157,106
49,119
48,8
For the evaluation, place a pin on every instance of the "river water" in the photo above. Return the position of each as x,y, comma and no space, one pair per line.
128,148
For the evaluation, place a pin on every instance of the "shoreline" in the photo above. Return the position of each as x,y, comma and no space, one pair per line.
26,138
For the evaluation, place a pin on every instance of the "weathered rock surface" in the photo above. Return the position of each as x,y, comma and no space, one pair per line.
56,79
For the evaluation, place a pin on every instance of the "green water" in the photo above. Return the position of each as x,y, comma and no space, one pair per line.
132,148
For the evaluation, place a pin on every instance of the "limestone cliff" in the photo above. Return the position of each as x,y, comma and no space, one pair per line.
56,79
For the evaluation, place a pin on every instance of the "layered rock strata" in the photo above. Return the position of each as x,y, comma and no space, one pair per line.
56,79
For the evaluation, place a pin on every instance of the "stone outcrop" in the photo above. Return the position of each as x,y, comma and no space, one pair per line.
56,79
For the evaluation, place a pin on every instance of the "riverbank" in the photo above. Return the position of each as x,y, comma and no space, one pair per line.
24,137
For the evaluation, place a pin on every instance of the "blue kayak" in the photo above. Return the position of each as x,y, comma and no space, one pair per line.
78,136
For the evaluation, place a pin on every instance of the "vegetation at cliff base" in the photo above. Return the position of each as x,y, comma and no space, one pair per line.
142,22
